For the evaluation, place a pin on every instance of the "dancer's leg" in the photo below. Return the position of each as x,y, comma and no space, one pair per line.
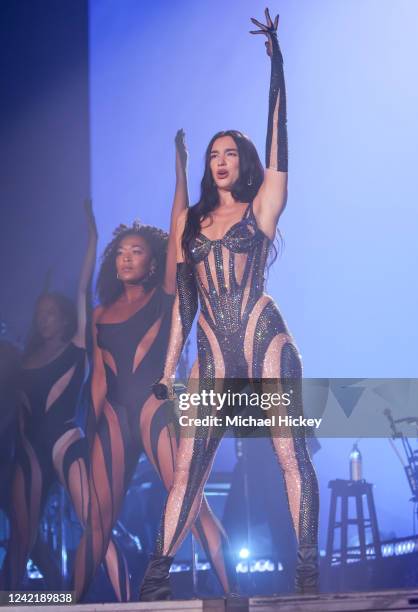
29,487
160,444
196,452
70,458
110,471
275,358
290,446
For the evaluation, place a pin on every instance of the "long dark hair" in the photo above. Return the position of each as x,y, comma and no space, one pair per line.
68,312
109,287
246,187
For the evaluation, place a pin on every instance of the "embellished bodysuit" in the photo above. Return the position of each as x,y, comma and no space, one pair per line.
240,334
229,273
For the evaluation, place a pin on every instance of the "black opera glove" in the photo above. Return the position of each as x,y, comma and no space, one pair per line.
276,141
188,300
184,312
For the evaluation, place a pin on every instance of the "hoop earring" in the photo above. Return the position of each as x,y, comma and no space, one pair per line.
250,181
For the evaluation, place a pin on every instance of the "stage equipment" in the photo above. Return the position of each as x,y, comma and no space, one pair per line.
356,466
409,460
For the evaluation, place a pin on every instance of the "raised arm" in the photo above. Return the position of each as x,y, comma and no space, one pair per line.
271,198
184,312
180,203
85,276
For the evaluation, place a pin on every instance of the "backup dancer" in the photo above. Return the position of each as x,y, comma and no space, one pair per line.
131,327
50,446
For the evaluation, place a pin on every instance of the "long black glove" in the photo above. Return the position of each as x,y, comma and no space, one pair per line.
276,141
184,312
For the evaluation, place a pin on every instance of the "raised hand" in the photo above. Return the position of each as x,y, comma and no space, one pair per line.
269,29
91,221
181,150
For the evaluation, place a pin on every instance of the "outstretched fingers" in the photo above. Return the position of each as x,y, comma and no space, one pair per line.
266,28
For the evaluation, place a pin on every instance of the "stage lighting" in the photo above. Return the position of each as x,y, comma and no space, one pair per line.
244,553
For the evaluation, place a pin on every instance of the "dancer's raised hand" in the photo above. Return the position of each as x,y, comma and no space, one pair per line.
181,149
268,29
91,221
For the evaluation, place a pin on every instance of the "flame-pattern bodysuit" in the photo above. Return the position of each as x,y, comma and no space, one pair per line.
50,447
133,422
240,334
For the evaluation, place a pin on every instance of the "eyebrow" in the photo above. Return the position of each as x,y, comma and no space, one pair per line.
226,150
130,246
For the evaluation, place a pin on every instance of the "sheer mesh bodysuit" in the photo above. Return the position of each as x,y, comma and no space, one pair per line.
240,334
134,421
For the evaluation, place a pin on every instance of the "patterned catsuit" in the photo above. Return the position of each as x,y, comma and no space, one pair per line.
133,422
240,334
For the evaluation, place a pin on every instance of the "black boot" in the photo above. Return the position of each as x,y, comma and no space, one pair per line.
156,583
307,571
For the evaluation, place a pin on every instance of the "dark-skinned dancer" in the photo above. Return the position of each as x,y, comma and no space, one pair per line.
50,446
131,328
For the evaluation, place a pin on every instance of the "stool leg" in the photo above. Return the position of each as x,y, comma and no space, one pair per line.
373,521
331,528
344,528
360,526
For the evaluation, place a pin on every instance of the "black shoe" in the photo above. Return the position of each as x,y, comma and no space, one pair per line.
156,583
307,571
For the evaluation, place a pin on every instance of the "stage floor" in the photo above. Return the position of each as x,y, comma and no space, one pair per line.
377,601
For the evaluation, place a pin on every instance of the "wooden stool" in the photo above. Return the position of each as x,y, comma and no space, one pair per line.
369,549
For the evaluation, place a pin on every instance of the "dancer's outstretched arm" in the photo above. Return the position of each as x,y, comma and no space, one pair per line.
180,204
271,198
85,276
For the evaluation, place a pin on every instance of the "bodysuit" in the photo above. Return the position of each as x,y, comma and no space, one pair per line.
47,412
240,334
229,273
48,405
134,353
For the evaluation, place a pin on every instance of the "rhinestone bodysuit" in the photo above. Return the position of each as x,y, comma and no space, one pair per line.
229,274
240,334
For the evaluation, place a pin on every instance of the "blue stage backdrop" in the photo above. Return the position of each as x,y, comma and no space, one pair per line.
346,279
44,152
